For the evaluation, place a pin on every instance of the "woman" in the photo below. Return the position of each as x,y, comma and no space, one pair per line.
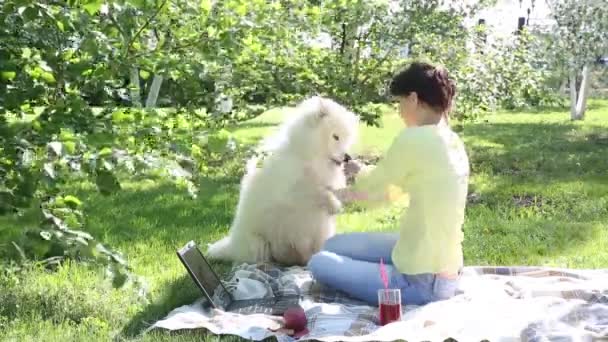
428,162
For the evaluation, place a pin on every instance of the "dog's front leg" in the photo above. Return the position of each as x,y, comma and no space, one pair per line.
261,250
331,202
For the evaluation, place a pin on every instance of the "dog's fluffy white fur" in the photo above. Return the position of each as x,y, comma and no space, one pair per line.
286,209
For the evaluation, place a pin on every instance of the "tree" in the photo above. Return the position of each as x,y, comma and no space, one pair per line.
51,57
367,39
581,36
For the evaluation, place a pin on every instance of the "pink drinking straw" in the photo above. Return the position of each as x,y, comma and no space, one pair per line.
383,274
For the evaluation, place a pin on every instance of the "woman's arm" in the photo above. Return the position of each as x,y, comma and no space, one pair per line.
385,182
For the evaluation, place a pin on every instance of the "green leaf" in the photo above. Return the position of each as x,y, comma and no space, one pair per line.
196,151
30,13
106,151
241,10
36,125
26,53
48,77
72,201
107,183
121,115
137,3
202,139
60,26
144,74
206,5
7,75
93,6
70,146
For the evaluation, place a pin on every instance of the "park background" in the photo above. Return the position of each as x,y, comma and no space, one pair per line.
124,127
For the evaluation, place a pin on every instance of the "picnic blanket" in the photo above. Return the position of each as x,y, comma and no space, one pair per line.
493,304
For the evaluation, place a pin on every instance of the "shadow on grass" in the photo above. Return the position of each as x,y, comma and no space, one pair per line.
550,150
164,215
178,293
592,104
175,294
543,109
545,191
524,241
161,213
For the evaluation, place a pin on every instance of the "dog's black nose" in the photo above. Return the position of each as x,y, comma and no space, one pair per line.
347,158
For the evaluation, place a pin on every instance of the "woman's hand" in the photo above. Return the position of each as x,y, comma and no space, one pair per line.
352,168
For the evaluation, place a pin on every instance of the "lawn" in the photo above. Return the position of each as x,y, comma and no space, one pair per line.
539,196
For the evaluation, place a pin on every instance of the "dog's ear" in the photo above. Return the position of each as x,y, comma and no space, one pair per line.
323,110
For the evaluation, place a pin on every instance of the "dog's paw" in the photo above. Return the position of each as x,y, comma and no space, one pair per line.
333,204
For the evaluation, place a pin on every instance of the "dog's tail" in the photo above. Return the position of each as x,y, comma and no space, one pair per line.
221,250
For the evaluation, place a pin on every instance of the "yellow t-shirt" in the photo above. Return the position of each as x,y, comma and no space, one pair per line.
430,165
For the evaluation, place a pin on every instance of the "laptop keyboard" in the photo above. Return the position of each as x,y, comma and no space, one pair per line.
255,309
271,306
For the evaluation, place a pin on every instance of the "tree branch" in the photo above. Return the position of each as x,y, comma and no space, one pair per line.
173,49
378,64
143,27
113,20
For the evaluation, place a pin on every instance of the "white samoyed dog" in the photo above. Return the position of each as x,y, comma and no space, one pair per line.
286,208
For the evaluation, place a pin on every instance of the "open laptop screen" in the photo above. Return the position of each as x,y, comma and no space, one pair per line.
200,268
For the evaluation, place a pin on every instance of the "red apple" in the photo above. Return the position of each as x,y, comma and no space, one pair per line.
295,319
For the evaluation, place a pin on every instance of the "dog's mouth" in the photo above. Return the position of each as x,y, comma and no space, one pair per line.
339,162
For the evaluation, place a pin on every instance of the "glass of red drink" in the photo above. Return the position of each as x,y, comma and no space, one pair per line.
389,305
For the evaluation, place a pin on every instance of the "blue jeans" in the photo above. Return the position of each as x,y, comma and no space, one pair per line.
351,263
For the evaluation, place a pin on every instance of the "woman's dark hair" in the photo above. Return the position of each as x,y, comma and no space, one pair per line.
432,84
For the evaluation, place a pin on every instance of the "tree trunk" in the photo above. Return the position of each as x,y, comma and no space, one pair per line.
355,63
572,94
349,37
134,87
581,103
350,32
152,98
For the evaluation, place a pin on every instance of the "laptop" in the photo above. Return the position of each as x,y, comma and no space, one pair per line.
207,280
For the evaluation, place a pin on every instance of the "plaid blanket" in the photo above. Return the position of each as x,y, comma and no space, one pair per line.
493,304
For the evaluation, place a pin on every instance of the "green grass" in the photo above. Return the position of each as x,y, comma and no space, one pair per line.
540,185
